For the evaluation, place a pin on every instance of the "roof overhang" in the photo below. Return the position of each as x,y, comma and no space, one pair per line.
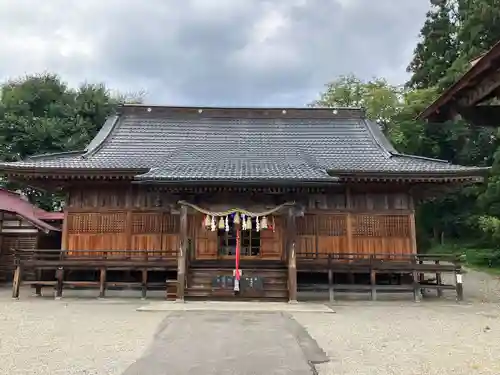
475,176
444,106
71,173
241,182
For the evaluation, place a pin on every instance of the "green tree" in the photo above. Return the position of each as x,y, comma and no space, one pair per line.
437,49
380,99
41,114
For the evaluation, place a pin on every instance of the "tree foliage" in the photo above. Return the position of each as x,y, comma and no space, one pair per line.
40,114
454,33
437,49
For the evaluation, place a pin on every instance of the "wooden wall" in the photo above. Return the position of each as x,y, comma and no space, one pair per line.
15,233
357,222
129,217
116,217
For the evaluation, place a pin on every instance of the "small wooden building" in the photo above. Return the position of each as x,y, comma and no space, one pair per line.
235,201
474,97
23,225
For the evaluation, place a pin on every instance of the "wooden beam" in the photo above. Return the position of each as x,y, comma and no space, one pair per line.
292,256
181,255
480,90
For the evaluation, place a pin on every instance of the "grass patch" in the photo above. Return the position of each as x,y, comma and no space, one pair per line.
482,259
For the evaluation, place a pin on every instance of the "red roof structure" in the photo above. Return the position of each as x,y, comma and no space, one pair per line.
14,203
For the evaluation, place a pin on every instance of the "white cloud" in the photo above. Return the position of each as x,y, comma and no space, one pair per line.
218,52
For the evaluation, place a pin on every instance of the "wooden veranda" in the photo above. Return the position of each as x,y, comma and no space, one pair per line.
411,273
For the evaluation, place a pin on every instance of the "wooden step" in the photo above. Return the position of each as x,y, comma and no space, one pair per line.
275,284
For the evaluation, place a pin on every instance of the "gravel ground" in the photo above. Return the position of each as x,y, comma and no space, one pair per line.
41,336
388,338
436,336
84,336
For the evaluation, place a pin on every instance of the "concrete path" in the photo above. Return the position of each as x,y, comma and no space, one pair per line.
219,343
237,306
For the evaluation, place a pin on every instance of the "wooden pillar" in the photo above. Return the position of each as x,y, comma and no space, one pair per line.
459,284
65,227
292,256
144,286
181,256
350,248
60,281
416,283
413,231
439,280
349,219
373,279
331,288
16,283
102,283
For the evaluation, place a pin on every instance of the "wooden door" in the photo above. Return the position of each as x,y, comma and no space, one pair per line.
206,244
271,242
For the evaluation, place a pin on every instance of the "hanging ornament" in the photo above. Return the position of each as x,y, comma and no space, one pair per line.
212,224
226,224
236,219
206,222
263,223
243,222
257,224
221,223
249,223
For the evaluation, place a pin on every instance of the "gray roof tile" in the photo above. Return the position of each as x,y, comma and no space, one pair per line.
204,147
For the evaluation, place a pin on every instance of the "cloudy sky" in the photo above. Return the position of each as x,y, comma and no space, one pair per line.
210,52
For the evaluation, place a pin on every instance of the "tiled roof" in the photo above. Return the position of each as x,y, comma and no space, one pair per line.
253,144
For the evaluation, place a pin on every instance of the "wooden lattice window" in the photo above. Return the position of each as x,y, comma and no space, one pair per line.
306,225
396,225
170,224
331,225
96,223
112,223
146,223
381,226
83,223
